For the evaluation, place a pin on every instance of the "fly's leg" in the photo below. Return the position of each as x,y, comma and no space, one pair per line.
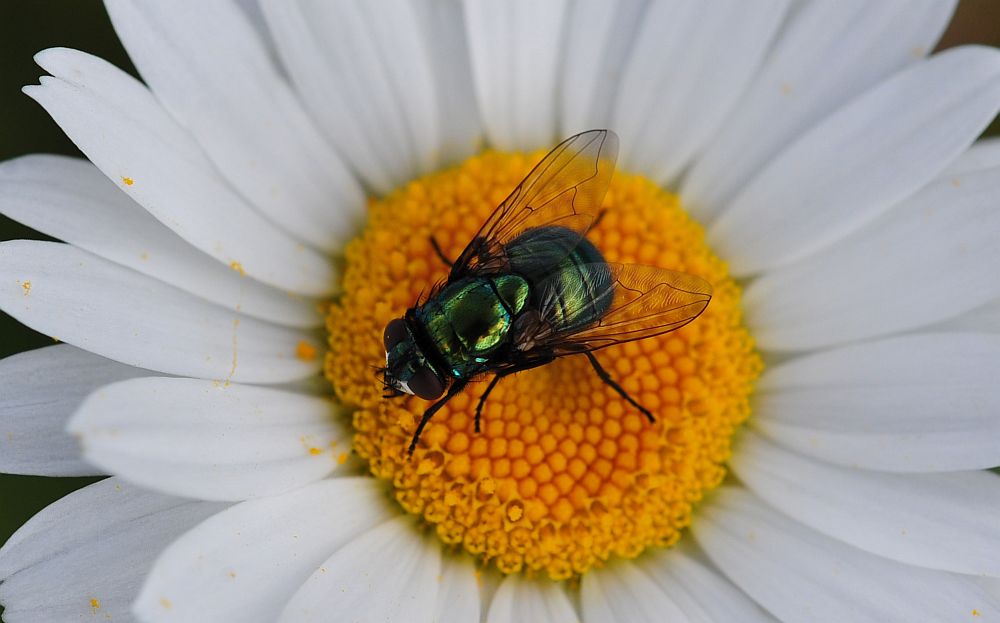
457,387
500,375
603,374
482,399
440,253
600,217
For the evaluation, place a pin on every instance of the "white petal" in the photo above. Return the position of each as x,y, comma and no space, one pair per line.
369,73
700,592
519,599
599,36
220,84
70,199
251,9
983,154
691,62
118,124
117,313
827,53
207,440
85,556
872,153
799,574
245,563
390,573
461,132
39,390
918,403
621,592
983,319
515,50
942,521
929,259
458,597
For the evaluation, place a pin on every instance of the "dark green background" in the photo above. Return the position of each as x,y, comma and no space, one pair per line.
29,26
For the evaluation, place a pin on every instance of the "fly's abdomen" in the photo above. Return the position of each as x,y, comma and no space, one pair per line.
578,291
574,290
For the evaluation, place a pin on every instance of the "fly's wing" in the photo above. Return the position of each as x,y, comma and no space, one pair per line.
564,190
617,303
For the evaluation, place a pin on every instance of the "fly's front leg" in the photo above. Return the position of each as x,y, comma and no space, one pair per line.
456,387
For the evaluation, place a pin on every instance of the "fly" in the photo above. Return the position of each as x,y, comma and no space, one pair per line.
530,288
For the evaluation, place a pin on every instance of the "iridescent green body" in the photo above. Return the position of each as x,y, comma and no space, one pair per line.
529,289
471,320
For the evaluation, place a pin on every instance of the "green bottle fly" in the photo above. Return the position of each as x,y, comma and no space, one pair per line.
530,288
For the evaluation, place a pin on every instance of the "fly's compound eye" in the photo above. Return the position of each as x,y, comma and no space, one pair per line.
425,384
395,332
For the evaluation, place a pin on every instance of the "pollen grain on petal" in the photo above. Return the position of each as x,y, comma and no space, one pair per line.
305,351
564,474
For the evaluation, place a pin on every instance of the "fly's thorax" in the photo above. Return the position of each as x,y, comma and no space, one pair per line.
471,318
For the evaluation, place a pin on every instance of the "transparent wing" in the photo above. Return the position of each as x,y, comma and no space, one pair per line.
619,303
565,190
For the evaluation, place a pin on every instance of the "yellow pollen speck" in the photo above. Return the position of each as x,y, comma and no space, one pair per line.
976,613
128,181
565,474
342,458
238,268
166,603
26,286
305,351
232,575
236,349
786,89
95,604
315,451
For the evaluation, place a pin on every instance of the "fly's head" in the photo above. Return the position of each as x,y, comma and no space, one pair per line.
407,370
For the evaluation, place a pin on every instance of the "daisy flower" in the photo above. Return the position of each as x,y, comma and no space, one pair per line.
256,210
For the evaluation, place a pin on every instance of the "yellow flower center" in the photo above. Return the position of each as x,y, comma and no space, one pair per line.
565,473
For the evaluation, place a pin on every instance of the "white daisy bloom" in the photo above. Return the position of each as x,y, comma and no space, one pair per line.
826,160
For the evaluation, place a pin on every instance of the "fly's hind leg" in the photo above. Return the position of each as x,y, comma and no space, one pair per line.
603,374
